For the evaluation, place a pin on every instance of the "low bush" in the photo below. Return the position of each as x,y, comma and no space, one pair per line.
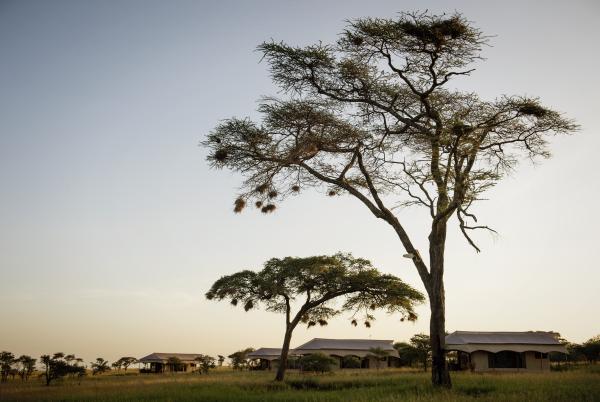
317,362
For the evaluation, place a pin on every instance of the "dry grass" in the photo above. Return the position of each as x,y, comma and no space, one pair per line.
347,385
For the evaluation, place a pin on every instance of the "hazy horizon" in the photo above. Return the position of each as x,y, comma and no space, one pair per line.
114,227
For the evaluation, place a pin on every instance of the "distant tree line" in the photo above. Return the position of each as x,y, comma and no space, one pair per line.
588,351
54,367
23,366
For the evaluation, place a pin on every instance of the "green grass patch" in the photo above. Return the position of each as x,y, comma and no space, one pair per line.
582,384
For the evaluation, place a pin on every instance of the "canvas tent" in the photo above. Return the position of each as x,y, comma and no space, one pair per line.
161,362
503,351
337,348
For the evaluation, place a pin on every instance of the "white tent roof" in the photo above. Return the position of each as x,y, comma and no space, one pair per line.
164,357
342,347
267,353
536,341
346,344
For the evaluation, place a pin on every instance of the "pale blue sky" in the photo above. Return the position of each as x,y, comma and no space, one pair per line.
113,227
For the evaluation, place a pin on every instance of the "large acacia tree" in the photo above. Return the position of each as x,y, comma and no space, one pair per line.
322,287
373,116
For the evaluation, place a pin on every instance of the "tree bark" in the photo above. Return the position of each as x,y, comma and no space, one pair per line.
440,375
284,353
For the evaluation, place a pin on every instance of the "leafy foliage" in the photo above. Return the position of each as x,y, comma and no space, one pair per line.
371,116
100,366
351,362
57,366
320,280
26,366
315,283
591,349
418,350
206,363
125,361
317,362
221,359
422,345
7,359
239,359
406,353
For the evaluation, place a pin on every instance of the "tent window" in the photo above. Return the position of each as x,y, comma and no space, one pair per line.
506,359
539,355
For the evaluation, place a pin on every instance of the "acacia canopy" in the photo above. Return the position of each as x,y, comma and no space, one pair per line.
322,287
373,116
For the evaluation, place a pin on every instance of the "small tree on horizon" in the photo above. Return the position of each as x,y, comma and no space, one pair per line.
124,362
221,359
26,366
239,359
100,366
7,359
315,283
56,367
591,349
406,353
422,347
205,363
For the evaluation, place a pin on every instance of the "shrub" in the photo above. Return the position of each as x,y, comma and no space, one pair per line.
351,362
317,362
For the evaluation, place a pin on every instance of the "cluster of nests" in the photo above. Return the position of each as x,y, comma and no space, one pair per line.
355,323
240,203
532,109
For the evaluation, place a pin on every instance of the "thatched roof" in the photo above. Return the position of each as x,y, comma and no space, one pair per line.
535,341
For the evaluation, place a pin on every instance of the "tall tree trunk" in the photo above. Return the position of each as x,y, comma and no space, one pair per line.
283,358
440,375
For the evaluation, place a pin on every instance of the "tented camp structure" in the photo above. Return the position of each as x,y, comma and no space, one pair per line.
336,348
503,351
162,362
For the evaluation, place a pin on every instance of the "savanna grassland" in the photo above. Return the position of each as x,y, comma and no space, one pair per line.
386,385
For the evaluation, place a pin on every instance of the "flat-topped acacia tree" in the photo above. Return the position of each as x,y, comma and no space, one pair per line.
372,116
322,287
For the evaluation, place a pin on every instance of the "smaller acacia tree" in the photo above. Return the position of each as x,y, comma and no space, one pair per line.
205,363
100,366
239,359
422,346
406,353
124,362
26,366
591,349
7,359
319,281
56,367
221,360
